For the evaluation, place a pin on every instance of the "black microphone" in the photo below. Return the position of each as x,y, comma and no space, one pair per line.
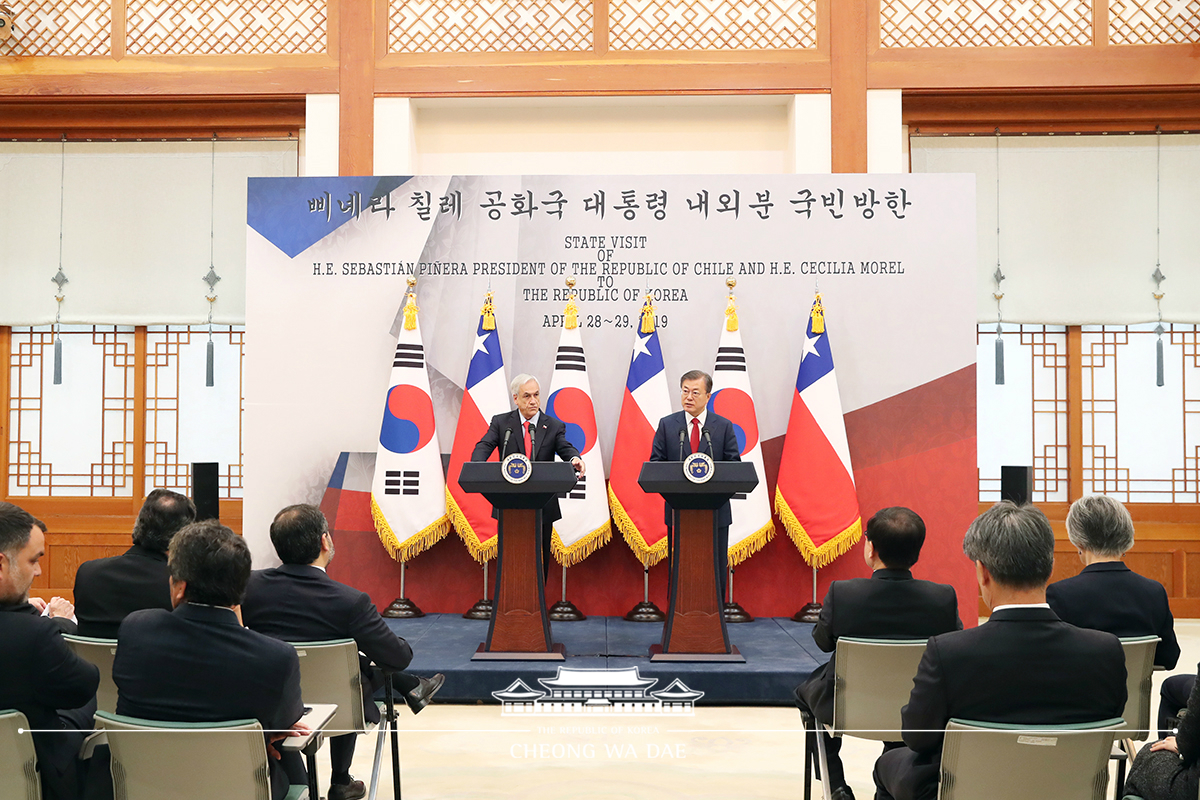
708,438
504,448
532,446
681,441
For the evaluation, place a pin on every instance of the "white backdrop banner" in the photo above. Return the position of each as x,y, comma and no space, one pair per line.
327,262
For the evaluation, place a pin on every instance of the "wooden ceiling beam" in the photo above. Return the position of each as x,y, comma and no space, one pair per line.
150,117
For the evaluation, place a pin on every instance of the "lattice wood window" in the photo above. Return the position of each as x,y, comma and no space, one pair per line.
1141,441
1024,421
984,23
225,27
74,439
489,26
1154,21
712,24
60,28
187,421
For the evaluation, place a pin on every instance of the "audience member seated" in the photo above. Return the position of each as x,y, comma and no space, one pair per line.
298,602
890,604
1107,595
1023,666
109,589
197,663
39,675
1170,769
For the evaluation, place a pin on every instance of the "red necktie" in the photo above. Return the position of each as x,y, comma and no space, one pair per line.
695,435
527,450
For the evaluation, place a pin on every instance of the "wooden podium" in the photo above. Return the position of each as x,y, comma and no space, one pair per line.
695,627
520,627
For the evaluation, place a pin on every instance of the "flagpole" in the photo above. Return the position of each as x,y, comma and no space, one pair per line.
564,610
645,611
811,611
402,607
733,610
482,608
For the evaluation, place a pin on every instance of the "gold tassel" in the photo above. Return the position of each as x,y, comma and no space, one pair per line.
818,315
731,320
489,315
572,314
410,313
647,315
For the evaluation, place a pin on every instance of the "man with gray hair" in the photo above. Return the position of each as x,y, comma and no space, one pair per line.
1023,666
530,431
1107,595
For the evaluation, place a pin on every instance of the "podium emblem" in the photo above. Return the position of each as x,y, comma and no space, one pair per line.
516,468
698,468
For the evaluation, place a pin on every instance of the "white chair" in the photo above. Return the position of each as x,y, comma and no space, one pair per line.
154,760
1139,669
997,761
100,652
872,682
329,673
18,761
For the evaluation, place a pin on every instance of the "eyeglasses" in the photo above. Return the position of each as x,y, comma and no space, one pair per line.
693,393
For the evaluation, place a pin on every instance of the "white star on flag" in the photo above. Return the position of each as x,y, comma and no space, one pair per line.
479,348
641,346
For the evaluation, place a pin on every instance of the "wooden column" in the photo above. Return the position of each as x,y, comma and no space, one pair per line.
1074,413
5,395
140,346
356,87
848,83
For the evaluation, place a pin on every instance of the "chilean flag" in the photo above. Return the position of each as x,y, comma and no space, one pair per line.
815,495
485,396
638,515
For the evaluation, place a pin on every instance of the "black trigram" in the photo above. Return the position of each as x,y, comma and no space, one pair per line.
732,359
402,482
409,355
739,496
570,358
580,490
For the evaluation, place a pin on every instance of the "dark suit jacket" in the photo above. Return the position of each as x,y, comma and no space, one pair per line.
299,603
724,448
197,664
549,439
1024,665
109,589
888,605
1111,597
39,676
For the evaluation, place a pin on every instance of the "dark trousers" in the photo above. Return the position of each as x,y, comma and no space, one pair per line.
1173,697
806,699
901,774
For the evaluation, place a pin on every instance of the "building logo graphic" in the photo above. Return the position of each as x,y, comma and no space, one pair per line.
598,691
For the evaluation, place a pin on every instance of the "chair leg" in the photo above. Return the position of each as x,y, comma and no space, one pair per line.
391,712
807,720
1119,786
823,762
311,763
380,737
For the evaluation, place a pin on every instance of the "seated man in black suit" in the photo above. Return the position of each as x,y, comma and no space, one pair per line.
889,604
39,675
298,602
529,429
1023,666
698,430
197,663
109,589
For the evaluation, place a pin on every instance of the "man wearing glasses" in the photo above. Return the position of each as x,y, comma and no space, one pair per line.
696,429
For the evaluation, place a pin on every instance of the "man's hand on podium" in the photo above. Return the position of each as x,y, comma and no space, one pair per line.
580,467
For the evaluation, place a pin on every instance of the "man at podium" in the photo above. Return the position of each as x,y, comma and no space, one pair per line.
698,430
532,432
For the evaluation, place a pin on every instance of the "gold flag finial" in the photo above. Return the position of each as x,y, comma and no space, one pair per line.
571,314
410,312
489,313
647,315
818,315
731,318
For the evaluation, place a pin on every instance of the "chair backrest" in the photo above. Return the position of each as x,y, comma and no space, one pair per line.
18,762
186,760
329,673
996,761
100,652
1139,666
872,682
